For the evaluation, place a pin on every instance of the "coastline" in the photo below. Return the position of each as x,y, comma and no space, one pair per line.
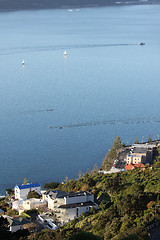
75,6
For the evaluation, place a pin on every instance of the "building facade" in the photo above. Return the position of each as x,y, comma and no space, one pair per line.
68,206
21,191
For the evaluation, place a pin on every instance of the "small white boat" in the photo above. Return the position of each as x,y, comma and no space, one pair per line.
65,53
23,62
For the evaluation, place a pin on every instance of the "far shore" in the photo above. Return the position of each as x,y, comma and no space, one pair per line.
66,7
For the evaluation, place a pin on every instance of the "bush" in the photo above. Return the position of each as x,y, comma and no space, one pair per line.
51,185
33,194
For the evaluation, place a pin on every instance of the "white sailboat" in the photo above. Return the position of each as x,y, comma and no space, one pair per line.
65,53
23,62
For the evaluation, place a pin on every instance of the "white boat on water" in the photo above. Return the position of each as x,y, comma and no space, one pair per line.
23,62
65,53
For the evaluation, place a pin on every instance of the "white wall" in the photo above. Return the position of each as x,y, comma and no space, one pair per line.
15,228
22,193
50,203
71,213
79,199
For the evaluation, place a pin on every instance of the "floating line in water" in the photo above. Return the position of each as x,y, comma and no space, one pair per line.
42,110
105,122
55,48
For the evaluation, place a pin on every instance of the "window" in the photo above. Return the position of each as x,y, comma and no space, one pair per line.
77,212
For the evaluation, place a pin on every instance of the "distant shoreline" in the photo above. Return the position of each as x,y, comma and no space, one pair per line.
75,6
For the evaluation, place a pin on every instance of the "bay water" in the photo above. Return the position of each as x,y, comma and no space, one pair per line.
59,115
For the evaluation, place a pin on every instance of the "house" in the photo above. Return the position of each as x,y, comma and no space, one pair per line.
32,203
55,193
140,154
17,223
17,204
129,166
134,166
136,158
68,212
68,206
21,191
28,204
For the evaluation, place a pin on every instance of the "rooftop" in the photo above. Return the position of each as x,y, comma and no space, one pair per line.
17,221
129,166
139,150
74,205
131,155
145,145
28,185
60,194
133,166
77,194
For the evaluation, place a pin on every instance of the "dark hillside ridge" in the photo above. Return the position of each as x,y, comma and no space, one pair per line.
6,5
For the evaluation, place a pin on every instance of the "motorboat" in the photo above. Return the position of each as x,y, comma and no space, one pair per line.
141,43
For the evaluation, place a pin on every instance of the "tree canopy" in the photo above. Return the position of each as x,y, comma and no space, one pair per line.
33,194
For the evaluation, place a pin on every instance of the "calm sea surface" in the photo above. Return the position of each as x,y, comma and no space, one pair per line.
106,86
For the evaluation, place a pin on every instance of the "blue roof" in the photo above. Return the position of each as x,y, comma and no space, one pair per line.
29,185
134,155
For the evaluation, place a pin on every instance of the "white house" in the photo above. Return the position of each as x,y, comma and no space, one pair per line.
68,206
21,191
69,212
32,203
17,223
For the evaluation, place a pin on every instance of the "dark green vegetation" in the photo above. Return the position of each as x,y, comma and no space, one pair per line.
126,205
33,194
5,234
46,4
111,156
9,191
51,185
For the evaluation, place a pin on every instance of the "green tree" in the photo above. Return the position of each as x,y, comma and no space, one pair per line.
45,234
84,236
51,185
11,212
136,142
149,138
9,191
117,143
33,194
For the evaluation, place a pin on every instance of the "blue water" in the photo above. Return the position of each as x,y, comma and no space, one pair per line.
105,76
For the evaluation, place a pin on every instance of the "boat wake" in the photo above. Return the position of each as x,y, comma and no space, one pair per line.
62,47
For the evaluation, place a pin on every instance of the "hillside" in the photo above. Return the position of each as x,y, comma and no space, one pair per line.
126,205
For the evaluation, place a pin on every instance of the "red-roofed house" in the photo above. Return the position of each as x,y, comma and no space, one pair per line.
129,166
133,166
